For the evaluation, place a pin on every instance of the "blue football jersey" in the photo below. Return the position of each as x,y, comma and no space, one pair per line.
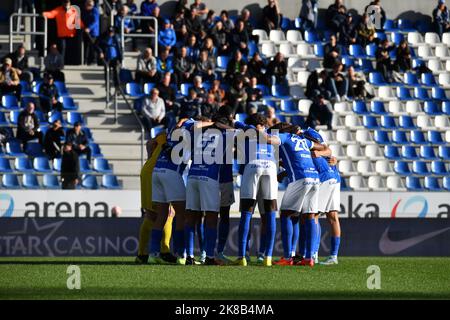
295,152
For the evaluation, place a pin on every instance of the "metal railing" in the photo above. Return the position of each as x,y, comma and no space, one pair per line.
124,35
112,12
13,32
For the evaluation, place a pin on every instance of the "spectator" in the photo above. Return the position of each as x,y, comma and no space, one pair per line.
167,37
5,136
245,17
271,117
366,31
168,94
79,141
239,38
318,84
277,70
115,6
146,67
220,38
148,9
210,21
154,110
133,7
256,68
192,48
441,18
67,32
70,167
28,125
271,15
308,15
210,48
190,105
338,85
347,31
237,96
48,95
128,24
218,92
254,94
374,8
228,24
384,63
205,67
52,140
198,87
19,60
234,66
332,53
54,63
403,61
9,79
183,67
200,9
164,63
91,20
209,107
336,15
358,88
181,6
193,22
111,53
319,114
182,35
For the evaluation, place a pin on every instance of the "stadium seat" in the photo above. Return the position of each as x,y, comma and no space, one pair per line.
385,93
371,50
241,117
73,117
370,122
446,38
134,90
421,94
287,50
23,164
381,137
14,149
447,136
30,181
444,152
388,122
438,168
372,151
441,122
435,65
288,106
337,150
109,181
427,152
25,100
356,51
389,25
432,38
431,108
352,121
10,102
406,122
417,137
294,36
363,137
423,121
10,181
34,149
428,79
410,79
446,107
435,137
377,107
444,80
446,183
41,164
286,23
68,103
304,105
394,183
396,107
280,91
265,91
376,183
3,121
57,164
397,37
319,50
156,130
85,167
89,182
346,167
14,117
432,184
222,62
354,152
148,87
102,165
56,115
311,36
402,168
344,136
305,50
358,183
409,153
383,167
61,86
420,168
415,38
438,94
5,166
302,77
360,107
50,181
268,49
399,137
277,36
391,152
424,51
413,184
184,88
441,51
366,65
252,48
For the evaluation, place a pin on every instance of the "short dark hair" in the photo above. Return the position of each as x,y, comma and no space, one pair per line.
256,119
77,124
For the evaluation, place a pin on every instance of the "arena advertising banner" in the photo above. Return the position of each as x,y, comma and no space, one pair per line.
50,237
92,204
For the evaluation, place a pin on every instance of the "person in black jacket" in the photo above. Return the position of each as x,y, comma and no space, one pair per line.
111,52
319,114
332,53
272,15
48,95
52,140
384,62
70,167
79,141
347,32
403,61
239,38
20,63
277,70
336,14
28,125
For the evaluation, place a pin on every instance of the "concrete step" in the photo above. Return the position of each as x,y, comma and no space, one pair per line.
122,151
130,183
106,119
129,168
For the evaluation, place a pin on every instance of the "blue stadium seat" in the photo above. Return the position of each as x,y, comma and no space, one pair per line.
102,165
265,91
68,103
402,168
311,36
10,102
5,166
413,184
26,89
3,121
156,130
360,107
25,100
389,25
298,121
61,86
286,24
125,75
377,107
446,107
89,181
397,37
380,35
405,25
444,152
50,181
23,164
381,137
403,93
432,184
13,148
411,79
438,168
222,62
428,79
14,117
388,122
370,122
109,181
88,133
409,153
421,94
56,115
95,149
252,48
40,115
10,181
446,183
288,106
270,103
420,168
371,50
417,137
298,23
241,117
376,78
438,94
435,137
41,164
357,51
73,117
148,87
36,86
34,149
366,65
431,108
319,50
391,153
57,164
427,152
133,89
344,185
30,181
406,122
399,137
185,88
85,167
280,91
348,61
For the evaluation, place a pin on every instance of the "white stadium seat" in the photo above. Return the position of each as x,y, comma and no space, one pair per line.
365,167
297,91
262,34
277,36
344,136
347,167
441,52
358,183
395,183
444,79
268,49
396,107
296,63
352,121
432,38
415,38
441,122
424,51
376,183
304,105
447,65
435,65
305,50
413,107
384,168
446,39
372,151
342,107
354,152
287,49
294,36
337,150
447,136
386,93
327,135
302,77
424,122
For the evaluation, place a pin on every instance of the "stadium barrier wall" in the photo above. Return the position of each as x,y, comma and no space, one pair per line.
50,237
91,204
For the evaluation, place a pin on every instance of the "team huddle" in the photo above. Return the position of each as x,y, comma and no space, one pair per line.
177,209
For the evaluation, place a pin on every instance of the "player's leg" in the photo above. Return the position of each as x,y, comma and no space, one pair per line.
262,230
287,230
201,238
192,218
269,191
178,233
301,240
295,234
144,236
310,209
317,240
211,220
162,213
224,230
333,219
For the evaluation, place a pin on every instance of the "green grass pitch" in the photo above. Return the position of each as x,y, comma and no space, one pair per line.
119,278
